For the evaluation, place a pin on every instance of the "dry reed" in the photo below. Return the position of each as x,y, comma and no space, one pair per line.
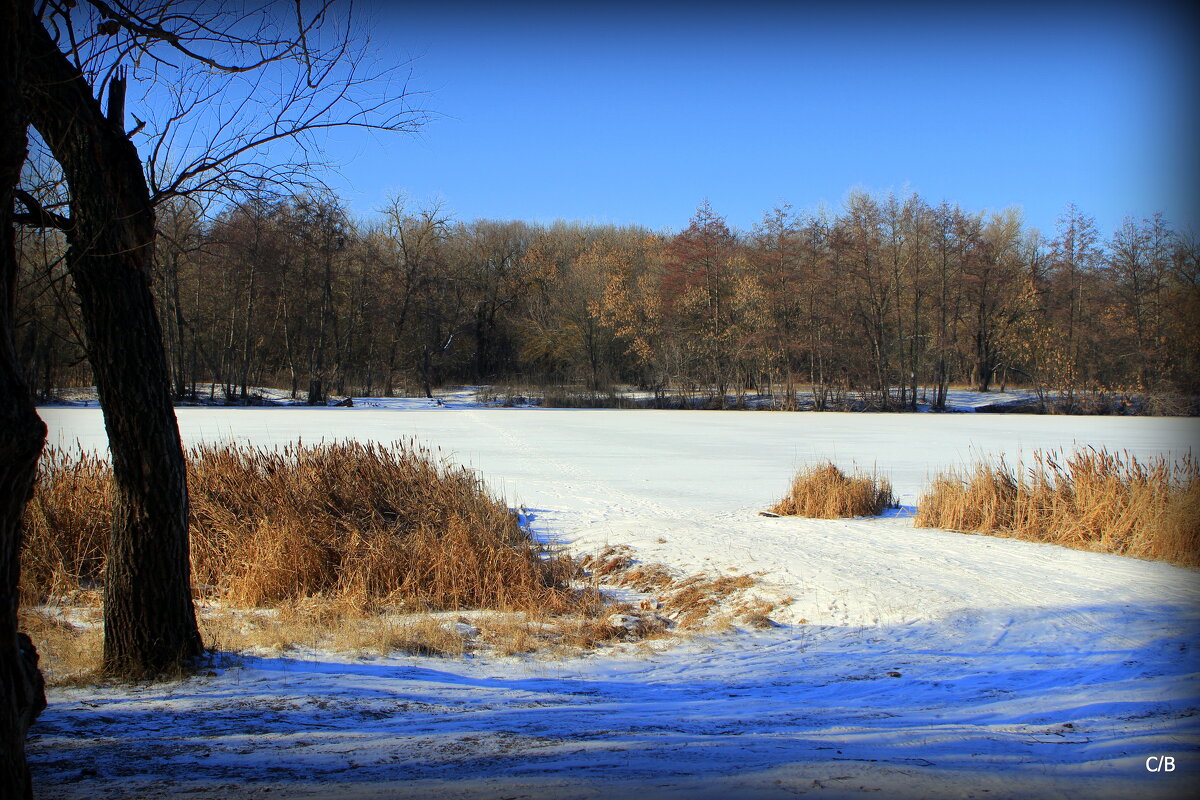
70,651
361,523
825,492
67,524
349,547
1089,500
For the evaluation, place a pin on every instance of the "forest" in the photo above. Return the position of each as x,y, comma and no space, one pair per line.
882,304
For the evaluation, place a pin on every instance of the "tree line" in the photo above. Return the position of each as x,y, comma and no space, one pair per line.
890,301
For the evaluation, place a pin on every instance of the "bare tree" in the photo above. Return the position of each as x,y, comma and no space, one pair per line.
410,250
149,624
79,51
180,243
1075,255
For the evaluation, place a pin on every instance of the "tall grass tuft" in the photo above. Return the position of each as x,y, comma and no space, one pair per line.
1091,500
825,492
67,526
361,523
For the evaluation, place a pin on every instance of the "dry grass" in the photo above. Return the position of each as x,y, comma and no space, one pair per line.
825,492
345,547
70,651
692,601
336,627
70,641
67,526
346,629
1090,500
364,524
687,602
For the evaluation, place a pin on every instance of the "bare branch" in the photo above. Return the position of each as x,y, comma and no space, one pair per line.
36,215
291,71
127,18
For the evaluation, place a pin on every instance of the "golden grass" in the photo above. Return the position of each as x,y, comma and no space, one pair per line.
334,626
70,641
345,547
370,525
1089,500
70,652
688,602
825,492
67,524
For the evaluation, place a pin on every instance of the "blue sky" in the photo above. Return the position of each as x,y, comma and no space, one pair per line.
632,113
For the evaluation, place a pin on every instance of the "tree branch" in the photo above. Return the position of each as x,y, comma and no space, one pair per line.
38,217
140,26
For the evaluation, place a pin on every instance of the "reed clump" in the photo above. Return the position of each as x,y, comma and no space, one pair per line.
67,525
375,526
825,492
1090,499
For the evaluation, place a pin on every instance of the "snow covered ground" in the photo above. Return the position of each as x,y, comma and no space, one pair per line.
474,397
911,662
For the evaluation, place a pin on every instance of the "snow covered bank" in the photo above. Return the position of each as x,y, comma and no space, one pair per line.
919,662
459,397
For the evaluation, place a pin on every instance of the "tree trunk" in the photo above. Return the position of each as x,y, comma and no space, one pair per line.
21,432
426,368
985,363
317,386
181,382
288,350
149,618
247,320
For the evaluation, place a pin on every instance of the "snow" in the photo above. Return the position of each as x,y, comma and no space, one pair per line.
915,662
958,399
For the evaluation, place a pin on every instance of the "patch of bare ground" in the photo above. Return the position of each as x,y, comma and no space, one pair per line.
70,638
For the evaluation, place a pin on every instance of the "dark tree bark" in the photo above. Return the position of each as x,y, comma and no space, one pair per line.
22,433
149,618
